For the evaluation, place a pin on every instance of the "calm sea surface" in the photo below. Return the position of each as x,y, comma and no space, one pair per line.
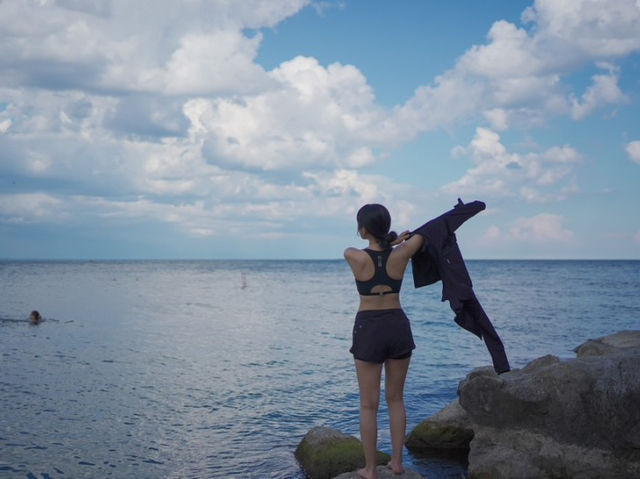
217,369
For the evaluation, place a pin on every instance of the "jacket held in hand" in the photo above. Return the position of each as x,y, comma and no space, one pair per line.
440,259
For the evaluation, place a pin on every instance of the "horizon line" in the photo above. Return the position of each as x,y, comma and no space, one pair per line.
5,260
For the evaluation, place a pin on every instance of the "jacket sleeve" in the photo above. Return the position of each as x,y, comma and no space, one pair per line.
462,212
436,233
450,220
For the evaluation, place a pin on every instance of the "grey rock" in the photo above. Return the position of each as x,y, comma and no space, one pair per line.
609,344
559,418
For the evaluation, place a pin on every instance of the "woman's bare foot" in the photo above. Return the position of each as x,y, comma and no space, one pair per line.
396,468
364,473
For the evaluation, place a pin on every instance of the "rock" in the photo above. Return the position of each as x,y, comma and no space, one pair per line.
609,344
559,418
449,430
383,473
324,453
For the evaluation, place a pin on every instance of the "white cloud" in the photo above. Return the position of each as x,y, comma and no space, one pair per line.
633,150
636,237
316,117
603,91
514,77
492,236
196,68
509,53
161,47
587,27
5,125
345,183
31,207
543,228
200,48
497,118
543,232
159,110
534,177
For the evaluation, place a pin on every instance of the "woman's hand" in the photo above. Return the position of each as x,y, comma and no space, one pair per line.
401,237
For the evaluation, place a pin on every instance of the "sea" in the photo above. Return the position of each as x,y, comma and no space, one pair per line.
217,369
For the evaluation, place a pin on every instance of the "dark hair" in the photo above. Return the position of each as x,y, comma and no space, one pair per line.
376,220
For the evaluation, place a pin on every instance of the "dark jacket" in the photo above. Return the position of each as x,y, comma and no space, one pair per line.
440,259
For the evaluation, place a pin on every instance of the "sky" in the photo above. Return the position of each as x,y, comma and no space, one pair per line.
219,129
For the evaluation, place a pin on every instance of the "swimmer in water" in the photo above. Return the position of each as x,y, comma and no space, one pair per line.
35,317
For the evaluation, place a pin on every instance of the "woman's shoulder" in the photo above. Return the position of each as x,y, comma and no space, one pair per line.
353,253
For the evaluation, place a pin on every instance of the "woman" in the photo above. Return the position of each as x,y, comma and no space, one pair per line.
381,333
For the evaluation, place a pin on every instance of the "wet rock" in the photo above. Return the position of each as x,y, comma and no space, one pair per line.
448,430
324,453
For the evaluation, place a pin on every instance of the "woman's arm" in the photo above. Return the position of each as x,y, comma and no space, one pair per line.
405,235
409,245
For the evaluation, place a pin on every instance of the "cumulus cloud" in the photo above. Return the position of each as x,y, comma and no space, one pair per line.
587,27
542,230
161,47
497,118
159,109
512,78
633,150
195,67
604,90
314,118
534,177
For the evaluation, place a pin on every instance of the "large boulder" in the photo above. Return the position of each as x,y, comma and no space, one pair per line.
609,344
324,453
448,431
559,418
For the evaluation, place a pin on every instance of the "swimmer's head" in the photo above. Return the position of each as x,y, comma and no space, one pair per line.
34,317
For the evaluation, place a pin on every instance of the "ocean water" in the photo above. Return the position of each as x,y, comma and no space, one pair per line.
217,369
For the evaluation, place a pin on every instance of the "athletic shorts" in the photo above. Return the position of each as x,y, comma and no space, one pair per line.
381,334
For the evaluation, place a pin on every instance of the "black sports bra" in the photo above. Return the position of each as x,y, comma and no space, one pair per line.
380,277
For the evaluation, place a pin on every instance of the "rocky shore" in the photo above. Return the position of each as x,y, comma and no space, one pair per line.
573,418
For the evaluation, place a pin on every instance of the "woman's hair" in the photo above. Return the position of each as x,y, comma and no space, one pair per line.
376,220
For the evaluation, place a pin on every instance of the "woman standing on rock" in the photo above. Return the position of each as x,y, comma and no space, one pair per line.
381,333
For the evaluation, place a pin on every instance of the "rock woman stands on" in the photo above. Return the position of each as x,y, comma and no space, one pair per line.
381,333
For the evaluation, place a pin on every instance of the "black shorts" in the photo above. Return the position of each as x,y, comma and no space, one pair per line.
381,334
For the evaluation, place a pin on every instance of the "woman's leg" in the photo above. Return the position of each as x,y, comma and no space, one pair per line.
369,384
395,372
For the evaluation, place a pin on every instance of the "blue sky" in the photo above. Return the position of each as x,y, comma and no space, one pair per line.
256,129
